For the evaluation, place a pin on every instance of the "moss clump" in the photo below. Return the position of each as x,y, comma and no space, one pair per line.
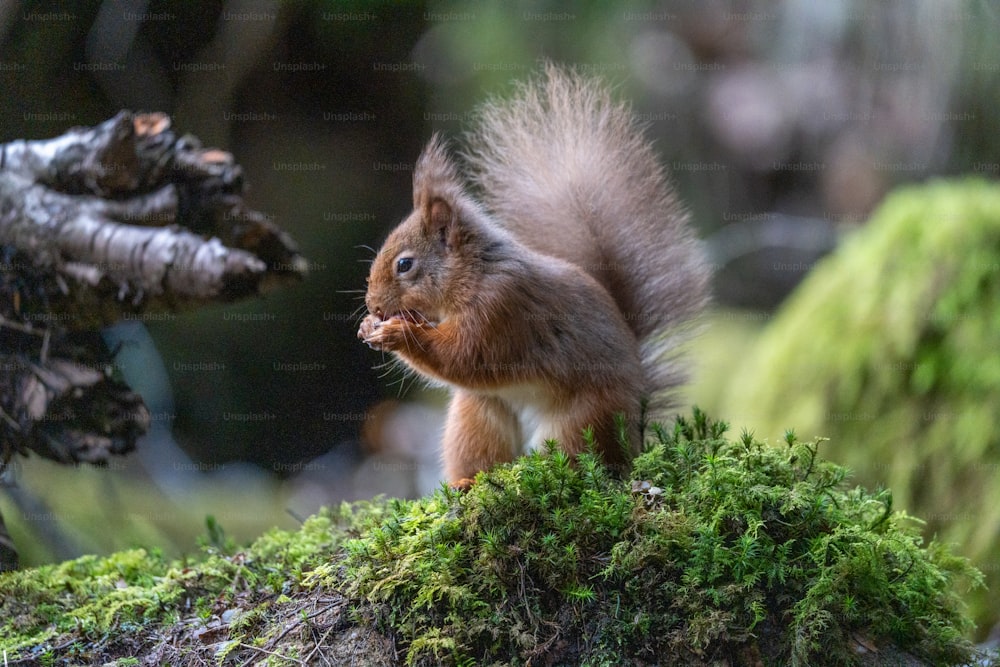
86,610
889,348
714,550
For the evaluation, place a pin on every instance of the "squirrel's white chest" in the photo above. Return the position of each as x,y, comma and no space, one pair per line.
531,405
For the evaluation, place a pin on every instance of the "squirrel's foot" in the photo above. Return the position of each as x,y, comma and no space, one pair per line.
463,484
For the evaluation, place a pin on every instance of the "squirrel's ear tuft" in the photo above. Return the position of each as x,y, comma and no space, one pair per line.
437,189
435,175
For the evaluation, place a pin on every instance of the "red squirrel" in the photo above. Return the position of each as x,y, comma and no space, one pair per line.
553,298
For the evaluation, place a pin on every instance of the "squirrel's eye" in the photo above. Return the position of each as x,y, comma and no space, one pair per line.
404,264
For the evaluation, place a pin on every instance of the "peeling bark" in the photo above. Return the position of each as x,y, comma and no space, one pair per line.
98,224
130,218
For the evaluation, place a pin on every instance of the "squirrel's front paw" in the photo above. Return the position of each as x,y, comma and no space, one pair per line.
368,327
386,335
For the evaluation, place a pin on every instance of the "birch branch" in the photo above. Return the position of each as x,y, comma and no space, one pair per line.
98,224
127,218
101,223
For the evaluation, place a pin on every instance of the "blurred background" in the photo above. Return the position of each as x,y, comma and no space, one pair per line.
784,125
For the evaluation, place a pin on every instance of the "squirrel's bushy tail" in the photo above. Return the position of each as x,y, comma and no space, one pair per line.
568,171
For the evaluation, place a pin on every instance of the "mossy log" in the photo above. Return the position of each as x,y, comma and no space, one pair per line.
712,552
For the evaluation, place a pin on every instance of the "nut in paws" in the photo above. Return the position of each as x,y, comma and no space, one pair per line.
386,335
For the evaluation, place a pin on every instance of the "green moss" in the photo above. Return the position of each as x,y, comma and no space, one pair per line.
94,597
88,595
713,550
889,348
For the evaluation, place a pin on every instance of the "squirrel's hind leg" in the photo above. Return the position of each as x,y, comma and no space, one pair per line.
586,414
480,432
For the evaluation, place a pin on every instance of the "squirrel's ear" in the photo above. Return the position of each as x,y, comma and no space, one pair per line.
441,222
437,189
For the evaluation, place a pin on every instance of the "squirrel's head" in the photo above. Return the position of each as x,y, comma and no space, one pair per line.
420,269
